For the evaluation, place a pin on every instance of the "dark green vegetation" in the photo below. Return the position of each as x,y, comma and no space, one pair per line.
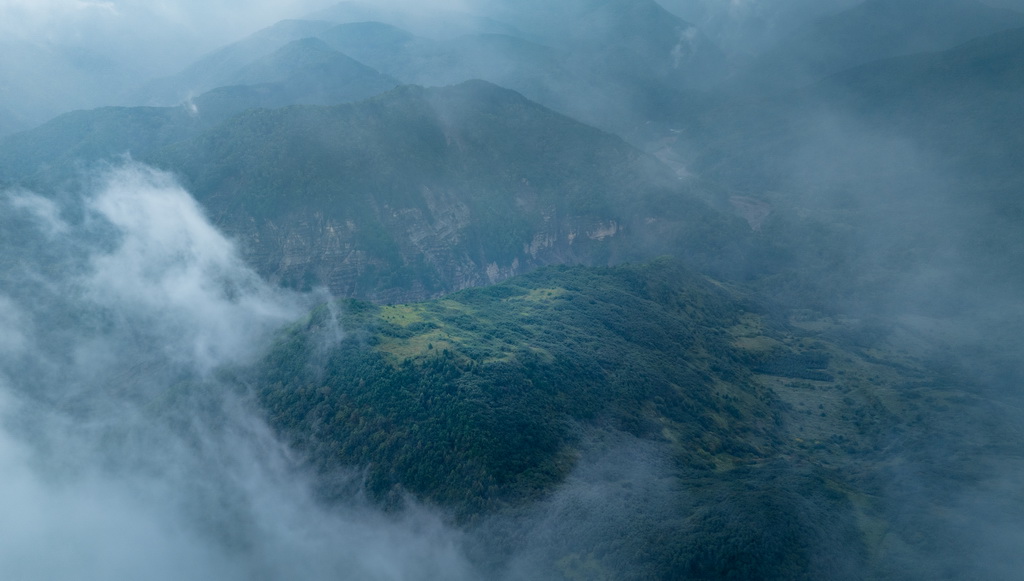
498,381
774,436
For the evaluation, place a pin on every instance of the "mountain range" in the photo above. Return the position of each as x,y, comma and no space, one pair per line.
617,294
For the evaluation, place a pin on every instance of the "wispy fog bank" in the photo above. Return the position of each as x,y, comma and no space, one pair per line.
128,447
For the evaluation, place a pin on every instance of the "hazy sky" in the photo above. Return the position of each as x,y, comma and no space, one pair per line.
213,18
224,20
165,33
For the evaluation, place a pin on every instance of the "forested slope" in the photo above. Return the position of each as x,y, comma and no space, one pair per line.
492,402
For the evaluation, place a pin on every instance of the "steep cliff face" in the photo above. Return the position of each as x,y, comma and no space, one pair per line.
427,252
421,192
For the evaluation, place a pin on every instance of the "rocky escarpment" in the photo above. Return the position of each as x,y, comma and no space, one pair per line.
410,253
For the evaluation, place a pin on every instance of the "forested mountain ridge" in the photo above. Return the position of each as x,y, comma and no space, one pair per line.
410,194
304,71
431,190
489,400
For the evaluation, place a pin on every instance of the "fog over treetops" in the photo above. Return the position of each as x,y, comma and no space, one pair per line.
483,289
125,454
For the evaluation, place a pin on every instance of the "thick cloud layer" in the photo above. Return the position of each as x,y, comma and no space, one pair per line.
128,450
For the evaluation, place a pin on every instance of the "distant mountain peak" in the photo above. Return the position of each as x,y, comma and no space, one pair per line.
432,22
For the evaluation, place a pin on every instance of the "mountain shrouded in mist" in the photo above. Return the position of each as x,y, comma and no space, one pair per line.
425,190
441,189
480,289
875,30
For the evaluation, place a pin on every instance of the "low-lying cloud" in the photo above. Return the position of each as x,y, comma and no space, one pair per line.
127,450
